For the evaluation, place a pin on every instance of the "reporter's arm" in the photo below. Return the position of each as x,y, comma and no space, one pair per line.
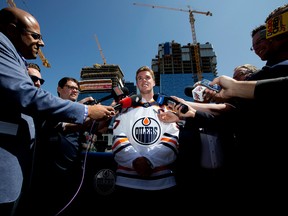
259,90
232,88
271,88
244,89
212,108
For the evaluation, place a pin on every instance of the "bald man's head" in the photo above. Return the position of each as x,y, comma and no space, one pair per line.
16,16
22,29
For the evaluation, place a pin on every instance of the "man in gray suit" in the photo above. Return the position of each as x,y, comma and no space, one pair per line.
20,39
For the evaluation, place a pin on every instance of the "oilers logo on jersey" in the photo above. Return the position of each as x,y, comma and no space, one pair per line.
146,131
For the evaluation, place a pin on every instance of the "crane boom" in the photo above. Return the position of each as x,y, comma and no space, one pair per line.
192,21
208,13
43,59
45,62
101,52
11,3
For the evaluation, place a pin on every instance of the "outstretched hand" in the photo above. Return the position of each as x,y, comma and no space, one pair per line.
227,84
100,112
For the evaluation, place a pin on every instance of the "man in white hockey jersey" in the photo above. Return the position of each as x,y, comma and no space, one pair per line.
144,148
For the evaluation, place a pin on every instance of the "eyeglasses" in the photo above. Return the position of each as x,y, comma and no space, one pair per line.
35,35
35,79
257,43
72,87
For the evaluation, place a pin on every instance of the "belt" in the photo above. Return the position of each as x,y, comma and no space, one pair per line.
8,128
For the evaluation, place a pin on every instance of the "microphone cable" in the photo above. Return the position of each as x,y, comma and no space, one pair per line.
90,143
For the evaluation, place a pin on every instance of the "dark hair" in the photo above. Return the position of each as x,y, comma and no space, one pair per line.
257,29
62,82
34,65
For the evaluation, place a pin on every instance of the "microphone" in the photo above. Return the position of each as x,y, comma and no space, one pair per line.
165,100
117,93
128,102
197,93
125,91
188,91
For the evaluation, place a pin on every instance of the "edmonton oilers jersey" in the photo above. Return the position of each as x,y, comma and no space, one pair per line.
138,132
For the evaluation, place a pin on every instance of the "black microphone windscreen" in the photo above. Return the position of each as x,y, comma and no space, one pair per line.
160,99
125,91
136,99
188,91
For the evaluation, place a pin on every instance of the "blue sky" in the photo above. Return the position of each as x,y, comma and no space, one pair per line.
129,34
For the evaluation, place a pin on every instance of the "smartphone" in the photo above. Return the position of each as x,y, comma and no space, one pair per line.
206,83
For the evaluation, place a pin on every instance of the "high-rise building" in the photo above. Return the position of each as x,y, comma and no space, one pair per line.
98,81
175,67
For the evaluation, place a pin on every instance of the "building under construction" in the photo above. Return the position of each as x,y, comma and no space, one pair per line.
175,66
100,78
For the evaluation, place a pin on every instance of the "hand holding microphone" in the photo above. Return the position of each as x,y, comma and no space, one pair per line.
128,102
100,112
202,90
169,117
165,100
105,112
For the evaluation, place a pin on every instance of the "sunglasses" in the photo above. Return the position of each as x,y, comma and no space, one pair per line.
35,35
35,79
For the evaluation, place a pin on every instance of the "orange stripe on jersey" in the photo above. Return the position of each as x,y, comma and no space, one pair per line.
122,140
166,139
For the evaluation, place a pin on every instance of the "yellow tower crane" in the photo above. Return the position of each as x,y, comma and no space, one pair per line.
192,21
11,3
99,47
45,62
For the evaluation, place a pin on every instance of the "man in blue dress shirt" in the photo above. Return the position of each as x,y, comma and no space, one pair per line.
20,39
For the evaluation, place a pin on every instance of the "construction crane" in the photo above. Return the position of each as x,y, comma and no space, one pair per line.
192,21
45,62
11,3
99,47
43,59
